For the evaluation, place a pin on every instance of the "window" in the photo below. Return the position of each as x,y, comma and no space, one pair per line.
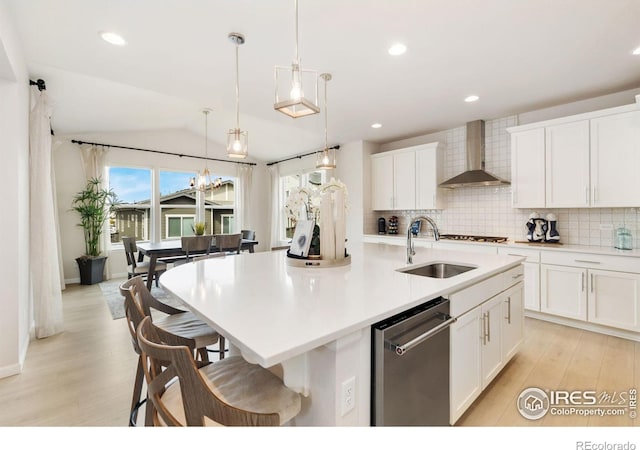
289,183
178,226
177,204
226,223
133,188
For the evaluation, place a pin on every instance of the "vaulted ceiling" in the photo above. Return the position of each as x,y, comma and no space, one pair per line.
515,55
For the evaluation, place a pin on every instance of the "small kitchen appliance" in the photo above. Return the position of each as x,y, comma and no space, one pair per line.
382,226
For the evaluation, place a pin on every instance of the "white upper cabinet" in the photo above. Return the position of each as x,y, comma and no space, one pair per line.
408,178
567,165
382,182
429,174
404,180
527,168
587,160
615,160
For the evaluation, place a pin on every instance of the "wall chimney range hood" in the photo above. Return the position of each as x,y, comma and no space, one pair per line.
475,175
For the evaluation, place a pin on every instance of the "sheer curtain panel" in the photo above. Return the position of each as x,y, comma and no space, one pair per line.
244,176
43,247
276,207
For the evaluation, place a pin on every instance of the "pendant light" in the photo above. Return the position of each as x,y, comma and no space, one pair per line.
294,103
204,177
326,159
237,140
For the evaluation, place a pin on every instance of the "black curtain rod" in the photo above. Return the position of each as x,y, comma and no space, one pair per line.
336,147
40,83
161,152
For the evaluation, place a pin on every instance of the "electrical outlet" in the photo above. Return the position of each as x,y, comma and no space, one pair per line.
348,395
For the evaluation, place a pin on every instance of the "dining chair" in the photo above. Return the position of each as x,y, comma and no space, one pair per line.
230,243
231,392
194,244
248,234
136,267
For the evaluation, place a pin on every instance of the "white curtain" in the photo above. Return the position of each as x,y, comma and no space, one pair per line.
93,158
276,207
43,252
244,176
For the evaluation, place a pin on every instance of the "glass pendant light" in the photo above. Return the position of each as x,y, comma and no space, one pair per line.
237,140
204,178
326,159
294,103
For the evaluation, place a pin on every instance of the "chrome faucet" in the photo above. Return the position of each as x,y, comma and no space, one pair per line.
410,250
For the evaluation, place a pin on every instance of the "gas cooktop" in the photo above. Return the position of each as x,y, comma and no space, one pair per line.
464,237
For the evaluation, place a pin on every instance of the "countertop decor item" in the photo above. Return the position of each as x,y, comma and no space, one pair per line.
393,225
623,239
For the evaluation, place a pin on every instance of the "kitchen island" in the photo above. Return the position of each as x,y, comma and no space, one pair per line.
315,322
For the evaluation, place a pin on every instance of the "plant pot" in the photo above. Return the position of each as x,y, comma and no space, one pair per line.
91,268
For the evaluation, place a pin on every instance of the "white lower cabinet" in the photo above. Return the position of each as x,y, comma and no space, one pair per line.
466,362
585,290
532,286
563,291
512,320
613,299
483,340
491,336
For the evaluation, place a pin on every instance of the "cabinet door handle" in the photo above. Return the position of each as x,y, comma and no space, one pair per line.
484,329
488,326
586,195
582,277
591,282
508,302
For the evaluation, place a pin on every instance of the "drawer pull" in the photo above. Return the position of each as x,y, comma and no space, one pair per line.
517,276
586,261
515,254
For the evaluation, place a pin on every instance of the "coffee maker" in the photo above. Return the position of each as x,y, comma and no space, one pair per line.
382,226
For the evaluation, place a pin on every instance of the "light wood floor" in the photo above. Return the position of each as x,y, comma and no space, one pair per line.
84,376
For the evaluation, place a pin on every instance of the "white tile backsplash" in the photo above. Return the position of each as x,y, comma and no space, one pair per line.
487,210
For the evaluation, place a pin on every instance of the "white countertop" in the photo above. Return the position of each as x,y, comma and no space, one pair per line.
592,249
274,312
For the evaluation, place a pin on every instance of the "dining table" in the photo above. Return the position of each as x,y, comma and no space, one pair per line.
173,249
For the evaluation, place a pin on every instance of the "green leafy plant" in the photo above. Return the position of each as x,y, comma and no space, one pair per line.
198,228
94,204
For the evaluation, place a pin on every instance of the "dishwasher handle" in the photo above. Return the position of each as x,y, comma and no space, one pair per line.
404,348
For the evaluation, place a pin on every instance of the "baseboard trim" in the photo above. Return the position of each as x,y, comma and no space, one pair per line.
8,371
624,334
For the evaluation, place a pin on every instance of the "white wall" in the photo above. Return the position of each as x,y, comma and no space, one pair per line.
14,182
70,179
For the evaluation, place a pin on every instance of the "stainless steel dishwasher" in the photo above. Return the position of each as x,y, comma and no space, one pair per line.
410,367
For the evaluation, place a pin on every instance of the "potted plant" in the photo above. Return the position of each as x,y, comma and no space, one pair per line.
94,204
199,228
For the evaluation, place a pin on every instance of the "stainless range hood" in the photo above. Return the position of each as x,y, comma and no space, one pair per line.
475,175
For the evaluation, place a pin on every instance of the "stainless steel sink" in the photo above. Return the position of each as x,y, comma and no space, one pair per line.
437,270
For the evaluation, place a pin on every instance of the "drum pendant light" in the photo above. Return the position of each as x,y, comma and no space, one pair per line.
237,140
290,96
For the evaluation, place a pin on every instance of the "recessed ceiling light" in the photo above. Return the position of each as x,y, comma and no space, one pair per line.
636,51
397,49
471,98
376,125
113,38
